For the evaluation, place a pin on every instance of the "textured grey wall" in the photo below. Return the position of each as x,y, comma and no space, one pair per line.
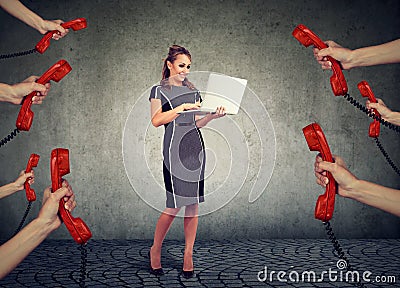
119,56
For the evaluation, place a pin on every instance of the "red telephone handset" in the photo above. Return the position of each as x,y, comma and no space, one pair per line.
365,90
317,142
59,166
33,162
306,37
55,73
44,43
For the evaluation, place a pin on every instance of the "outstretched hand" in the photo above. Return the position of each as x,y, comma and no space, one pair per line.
48,213
26,87
339,53
386,113
51,25
344,178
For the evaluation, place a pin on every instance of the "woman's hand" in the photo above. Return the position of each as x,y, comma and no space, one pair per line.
19,90
345,179
220,112
190,106
19,182
386,113
51,25
341,54
48,213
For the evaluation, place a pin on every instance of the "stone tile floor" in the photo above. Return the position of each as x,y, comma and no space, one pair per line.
235,263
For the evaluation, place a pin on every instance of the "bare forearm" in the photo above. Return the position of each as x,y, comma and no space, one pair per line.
374,55
378,196
166,117
17,248
6,92
8,189
394,118
200,123
18,10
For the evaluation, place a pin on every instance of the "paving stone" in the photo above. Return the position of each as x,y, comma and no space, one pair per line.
124,263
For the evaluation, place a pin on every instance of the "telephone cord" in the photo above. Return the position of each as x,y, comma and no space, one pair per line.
28,208
391,126
386,155
18,54
369,112
82,276
9,137
337,250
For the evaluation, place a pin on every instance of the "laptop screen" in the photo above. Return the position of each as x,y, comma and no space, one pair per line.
223,90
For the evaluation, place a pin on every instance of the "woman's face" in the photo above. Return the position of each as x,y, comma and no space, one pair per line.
179,68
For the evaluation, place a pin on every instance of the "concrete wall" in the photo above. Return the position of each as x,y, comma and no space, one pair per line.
119,57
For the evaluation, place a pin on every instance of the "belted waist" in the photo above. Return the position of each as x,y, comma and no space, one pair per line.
184,124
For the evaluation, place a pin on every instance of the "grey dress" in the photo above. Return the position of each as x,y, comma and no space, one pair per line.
183,148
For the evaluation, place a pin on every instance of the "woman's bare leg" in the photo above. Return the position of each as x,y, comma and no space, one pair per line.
162,227
190,227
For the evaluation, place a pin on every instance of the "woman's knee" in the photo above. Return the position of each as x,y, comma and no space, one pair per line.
171,211
192,210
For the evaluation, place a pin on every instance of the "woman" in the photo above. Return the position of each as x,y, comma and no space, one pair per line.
183,153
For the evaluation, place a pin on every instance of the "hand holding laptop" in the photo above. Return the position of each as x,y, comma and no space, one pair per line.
220,112
190,106
187,107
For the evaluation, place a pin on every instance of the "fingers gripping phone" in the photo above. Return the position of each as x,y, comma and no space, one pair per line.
59,166
44,43
55,73
317,142
33,162
365,90
306,37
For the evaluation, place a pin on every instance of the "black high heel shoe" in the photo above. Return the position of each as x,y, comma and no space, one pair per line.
156,272
188,274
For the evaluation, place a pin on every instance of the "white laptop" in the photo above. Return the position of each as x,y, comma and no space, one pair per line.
222,90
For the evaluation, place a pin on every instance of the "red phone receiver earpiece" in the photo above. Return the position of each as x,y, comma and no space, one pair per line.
306,37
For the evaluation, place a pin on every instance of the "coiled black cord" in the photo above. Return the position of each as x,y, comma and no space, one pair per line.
337,249
369,112
9,137
391,126
18,54
28,208
394,167
82,276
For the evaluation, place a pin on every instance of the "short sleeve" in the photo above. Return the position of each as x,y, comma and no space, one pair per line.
198,97
154,94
